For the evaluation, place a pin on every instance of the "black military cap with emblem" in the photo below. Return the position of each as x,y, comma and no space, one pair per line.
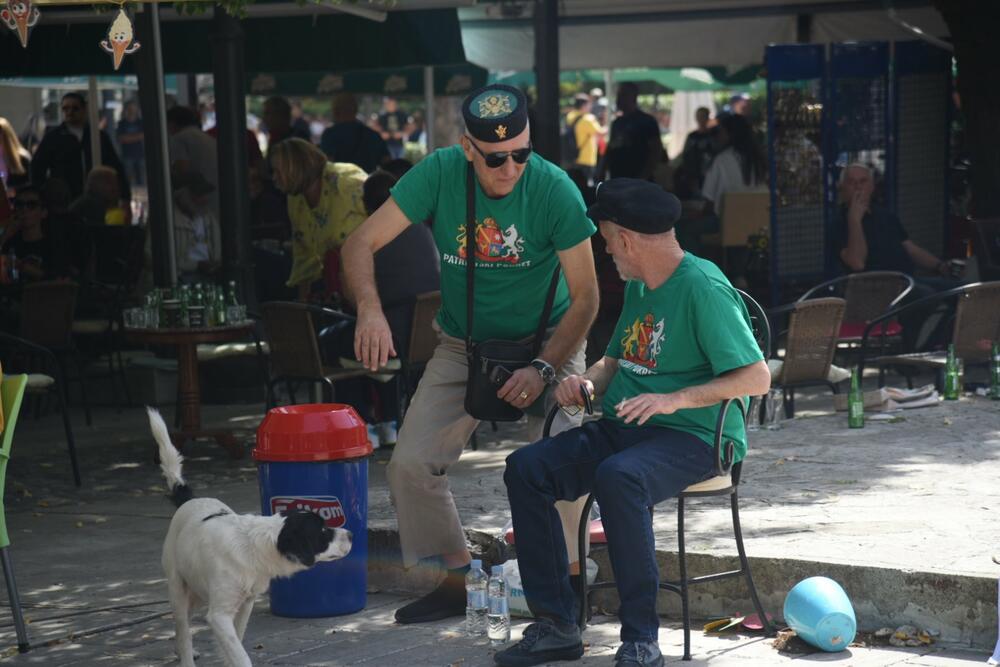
495,113
635,204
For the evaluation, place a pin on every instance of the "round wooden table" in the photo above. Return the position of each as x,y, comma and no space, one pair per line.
186,340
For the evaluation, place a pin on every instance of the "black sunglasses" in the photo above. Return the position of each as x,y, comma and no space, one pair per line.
30,204
496,160
71,108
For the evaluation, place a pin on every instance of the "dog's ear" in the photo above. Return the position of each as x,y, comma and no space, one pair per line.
302,537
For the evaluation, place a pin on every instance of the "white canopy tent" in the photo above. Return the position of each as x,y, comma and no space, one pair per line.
682,33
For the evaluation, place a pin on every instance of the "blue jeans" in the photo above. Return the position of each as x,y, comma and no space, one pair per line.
629,469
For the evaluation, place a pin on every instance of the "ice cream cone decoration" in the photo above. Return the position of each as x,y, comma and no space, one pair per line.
20,16
120,41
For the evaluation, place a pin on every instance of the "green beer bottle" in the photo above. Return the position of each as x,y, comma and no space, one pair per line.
951,388
995,372
855,402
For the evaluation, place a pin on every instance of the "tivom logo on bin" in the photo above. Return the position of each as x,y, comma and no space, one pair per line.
328,507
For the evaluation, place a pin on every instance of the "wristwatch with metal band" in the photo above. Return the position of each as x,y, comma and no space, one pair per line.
545,370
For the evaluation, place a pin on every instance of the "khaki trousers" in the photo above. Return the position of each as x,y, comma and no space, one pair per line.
434,434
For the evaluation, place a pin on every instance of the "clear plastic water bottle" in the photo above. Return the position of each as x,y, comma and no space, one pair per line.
476,604
498,618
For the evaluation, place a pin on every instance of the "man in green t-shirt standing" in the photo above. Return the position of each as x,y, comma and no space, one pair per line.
530,219
682,345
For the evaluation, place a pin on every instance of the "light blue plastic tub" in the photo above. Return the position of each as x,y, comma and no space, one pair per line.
818,610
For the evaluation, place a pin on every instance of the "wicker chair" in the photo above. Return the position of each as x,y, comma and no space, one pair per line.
976,326
868,295
725,483
813,331
290,330
421,342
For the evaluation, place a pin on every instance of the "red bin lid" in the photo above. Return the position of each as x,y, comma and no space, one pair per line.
312,432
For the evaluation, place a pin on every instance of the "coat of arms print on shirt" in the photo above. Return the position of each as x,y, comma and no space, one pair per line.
492,243
641,343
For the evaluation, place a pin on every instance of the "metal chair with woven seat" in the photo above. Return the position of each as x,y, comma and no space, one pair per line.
725,483
810,343
291,333
12,392
868,295
976,327
30,357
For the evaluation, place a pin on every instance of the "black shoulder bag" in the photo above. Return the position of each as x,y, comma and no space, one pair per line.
492,361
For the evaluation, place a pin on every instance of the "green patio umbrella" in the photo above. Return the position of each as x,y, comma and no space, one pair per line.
81,82
326,42
650,80
448,80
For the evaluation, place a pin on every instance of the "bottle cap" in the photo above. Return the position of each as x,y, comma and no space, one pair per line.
498,570
476,564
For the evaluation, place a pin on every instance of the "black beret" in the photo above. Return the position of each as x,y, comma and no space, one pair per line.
495,113
637,205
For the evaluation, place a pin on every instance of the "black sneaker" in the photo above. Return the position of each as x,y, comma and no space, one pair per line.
542,642
639,654
445,601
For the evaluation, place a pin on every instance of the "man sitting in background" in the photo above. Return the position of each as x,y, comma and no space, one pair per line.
870,238
196,230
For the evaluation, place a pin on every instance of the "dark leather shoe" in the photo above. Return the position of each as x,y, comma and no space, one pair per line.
542,642
445,601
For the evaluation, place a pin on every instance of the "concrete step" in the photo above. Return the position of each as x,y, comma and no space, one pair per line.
963,608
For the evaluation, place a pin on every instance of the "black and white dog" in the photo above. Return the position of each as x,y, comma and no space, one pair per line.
216,558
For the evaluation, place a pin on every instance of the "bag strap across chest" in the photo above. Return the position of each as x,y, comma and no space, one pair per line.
470,270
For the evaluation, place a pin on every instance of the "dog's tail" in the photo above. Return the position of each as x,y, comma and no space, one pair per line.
170,459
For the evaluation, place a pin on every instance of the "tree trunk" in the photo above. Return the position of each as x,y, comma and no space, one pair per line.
974,26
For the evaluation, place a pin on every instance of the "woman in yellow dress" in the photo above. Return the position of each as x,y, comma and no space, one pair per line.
324,205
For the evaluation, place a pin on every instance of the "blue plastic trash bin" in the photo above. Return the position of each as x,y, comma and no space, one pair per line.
820,612
314,457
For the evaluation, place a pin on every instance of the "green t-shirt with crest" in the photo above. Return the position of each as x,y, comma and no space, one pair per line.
517,237
689,330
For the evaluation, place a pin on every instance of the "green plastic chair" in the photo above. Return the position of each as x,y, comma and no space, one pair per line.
12,390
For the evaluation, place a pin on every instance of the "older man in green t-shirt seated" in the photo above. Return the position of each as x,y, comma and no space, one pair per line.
682,345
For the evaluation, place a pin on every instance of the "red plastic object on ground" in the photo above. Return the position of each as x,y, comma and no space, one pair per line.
312,432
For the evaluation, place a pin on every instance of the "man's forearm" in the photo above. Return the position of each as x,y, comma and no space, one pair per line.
752,380
921,257
359,274
572,329
601,374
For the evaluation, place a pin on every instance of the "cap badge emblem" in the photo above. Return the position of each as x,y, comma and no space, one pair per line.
495,106
501,131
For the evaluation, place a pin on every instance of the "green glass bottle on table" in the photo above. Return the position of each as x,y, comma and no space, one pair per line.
855,402
951,379
185,304
995,372
220,309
